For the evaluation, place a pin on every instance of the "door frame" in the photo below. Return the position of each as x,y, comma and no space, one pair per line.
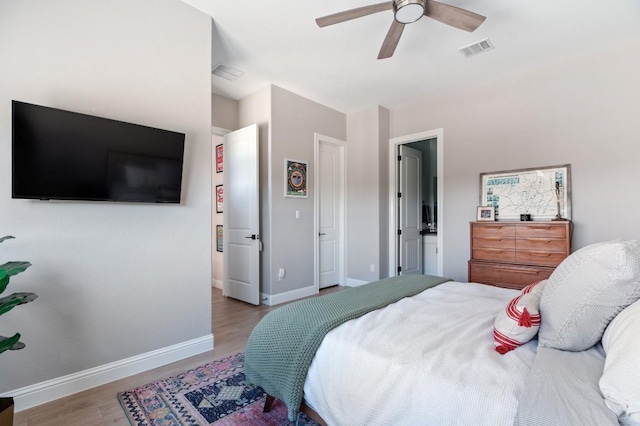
438,134
342,239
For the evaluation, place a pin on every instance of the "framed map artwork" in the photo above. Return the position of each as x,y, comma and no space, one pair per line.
295,175
542,192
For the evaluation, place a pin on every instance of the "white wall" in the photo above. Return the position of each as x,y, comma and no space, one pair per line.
114,280
583,111
367,189
295,120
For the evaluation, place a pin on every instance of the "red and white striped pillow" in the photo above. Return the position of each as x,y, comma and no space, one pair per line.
520,321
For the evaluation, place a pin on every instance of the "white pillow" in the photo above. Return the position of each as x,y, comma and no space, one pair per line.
620,381
520,320
586,291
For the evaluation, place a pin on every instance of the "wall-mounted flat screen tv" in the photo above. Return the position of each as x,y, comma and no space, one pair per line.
64,155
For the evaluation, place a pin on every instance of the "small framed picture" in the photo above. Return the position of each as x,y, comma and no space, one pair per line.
487,213
219,158
219,198
295,174
219,238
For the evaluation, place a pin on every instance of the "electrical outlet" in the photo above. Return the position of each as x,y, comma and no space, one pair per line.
281,274
372,267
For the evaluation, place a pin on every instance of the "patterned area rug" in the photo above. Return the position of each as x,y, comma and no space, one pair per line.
213,394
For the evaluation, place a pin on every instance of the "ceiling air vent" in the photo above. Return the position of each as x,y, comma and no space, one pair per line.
476,48
226,72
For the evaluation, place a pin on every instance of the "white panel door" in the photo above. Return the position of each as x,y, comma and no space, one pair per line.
241,240
329,204
410,211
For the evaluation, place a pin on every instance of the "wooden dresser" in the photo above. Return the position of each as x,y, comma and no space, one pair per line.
515,254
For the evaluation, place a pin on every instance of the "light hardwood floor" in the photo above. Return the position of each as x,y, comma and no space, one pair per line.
232,323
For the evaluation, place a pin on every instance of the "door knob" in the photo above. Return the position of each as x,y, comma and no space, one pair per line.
322,233
251,237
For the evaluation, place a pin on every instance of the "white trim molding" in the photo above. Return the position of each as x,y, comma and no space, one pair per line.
352,282
287,296
342,177
44,392
393,209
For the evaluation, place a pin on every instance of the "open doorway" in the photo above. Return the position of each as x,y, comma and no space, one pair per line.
420,212
217,259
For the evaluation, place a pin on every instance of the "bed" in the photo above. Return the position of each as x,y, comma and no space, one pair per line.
431,357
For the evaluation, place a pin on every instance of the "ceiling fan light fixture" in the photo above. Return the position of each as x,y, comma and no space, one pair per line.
408,11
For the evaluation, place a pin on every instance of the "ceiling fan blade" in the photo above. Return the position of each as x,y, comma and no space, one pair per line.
359,12
391,40
454,16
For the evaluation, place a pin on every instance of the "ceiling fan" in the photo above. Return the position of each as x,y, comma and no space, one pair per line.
406,12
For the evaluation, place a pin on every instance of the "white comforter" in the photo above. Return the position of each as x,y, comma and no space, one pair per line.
425,360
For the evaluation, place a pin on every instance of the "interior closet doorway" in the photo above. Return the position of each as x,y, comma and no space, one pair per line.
330,211
416,207
217,219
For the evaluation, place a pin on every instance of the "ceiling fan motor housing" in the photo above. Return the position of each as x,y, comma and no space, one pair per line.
408,11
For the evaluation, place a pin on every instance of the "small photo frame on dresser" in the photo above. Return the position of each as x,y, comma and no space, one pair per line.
486,213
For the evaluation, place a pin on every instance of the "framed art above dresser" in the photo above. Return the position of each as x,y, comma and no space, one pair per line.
516,254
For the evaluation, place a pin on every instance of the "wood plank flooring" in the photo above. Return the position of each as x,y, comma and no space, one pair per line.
232,323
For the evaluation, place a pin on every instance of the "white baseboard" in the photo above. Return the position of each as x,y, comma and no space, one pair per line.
216,283
276,299
40,393
352,282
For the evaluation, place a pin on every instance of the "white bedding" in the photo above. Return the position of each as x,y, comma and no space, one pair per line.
425,360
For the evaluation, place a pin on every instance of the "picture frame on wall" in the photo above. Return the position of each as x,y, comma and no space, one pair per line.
219,158
219,198
219,235
486,213
295,176
542,192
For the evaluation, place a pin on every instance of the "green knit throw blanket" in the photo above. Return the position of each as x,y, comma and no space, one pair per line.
281,347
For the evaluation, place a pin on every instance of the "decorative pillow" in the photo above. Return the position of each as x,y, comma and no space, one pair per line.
520,321
586,291
620,381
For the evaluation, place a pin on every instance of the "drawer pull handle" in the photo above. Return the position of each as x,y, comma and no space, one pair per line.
544,240
540,254
519,271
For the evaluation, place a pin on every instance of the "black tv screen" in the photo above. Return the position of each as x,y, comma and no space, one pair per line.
64,155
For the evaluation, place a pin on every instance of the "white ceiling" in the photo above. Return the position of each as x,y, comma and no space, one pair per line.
277,41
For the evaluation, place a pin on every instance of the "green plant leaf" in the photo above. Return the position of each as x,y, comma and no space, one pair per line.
14,268
10,343
9,302
4,281
8,237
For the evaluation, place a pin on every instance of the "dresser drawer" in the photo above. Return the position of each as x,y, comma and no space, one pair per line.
542,244
499,254
505,275
542,230
547,258
493,230
494,242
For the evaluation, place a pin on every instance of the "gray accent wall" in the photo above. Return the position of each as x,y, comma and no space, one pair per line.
582,110
224,112
368,193
287,123
115,280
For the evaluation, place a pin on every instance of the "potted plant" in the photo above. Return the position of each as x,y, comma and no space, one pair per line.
6,304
